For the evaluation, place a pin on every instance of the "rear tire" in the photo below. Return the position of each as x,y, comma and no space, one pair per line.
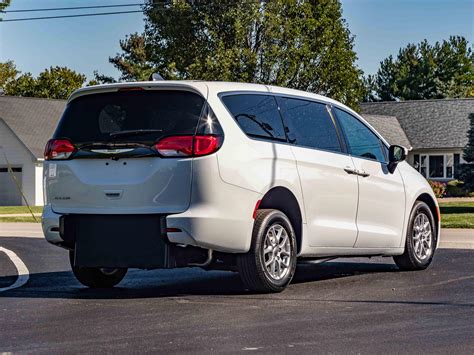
270,263
96,277
421,240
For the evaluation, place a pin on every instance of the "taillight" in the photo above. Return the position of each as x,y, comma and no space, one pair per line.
58,149
204,145
188,146
177,146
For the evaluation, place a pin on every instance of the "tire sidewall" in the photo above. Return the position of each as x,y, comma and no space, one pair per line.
95,277
275,217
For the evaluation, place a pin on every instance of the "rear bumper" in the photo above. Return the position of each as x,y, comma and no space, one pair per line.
225,226
50,225
219,216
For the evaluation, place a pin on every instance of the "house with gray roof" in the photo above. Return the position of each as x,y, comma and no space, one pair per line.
26,124
389,128
435,130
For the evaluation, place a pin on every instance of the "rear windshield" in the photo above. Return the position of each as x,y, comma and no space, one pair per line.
98,117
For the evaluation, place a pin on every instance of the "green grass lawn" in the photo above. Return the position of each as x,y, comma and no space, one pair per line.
19,219
19,209
457,214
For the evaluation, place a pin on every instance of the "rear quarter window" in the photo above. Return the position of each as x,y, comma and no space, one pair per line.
257,115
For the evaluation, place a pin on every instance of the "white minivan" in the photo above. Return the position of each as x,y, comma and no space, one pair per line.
228,176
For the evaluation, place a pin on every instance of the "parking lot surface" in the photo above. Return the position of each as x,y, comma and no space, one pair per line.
347,305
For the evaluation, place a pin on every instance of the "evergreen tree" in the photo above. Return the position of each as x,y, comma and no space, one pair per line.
423,71
467,170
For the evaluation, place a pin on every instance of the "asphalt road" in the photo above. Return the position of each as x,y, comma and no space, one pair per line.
344,306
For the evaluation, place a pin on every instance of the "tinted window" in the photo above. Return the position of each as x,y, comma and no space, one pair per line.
309,124
385,151
361,140
257,115
92,118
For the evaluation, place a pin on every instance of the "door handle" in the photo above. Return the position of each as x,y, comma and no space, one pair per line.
351,171
356,172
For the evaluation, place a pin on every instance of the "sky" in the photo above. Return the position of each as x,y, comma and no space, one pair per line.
84,44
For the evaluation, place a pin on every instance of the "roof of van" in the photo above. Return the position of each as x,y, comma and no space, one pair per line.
205,87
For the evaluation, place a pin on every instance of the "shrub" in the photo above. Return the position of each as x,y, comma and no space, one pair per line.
439,188
455,188
467,175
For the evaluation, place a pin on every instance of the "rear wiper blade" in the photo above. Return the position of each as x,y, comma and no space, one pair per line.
134,132
263,125
108,145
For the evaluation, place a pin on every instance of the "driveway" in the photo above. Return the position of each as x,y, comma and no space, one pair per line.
347,305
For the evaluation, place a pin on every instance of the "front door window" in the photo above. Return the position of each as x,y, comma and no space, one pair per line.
362,141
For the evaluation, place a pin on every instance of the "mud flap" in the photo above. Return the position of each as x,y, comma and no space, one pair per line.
125,241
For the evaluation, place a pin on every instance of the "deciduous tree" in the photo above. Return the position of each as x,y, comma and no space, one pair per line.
53,83
8,72
299,44
3,4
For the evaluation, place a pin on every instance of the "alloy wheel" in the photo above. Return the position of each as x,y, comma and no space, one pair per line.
422,237
277,252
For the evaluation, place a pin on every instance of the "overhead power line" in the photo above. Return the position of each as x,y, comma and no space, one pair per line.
95,7
72,8
68,16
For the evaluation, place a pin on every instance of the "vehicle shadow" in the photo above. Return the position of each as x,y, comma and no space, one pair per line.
177,282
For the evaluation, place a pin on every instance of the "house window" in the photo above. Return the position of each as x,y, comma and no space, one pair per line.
423,165
416,161
436,166
449,166
6,170
457,165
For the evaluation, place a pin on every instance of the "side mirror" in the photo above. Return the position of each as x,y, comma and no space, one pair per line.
396,154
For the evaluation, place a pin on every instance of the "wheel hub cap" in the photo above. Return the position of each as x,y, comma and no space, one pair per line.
422,237
277,252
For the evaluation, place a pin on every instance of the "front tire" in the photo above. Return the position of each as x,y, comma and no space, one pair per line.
96,277
421,239
270,263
